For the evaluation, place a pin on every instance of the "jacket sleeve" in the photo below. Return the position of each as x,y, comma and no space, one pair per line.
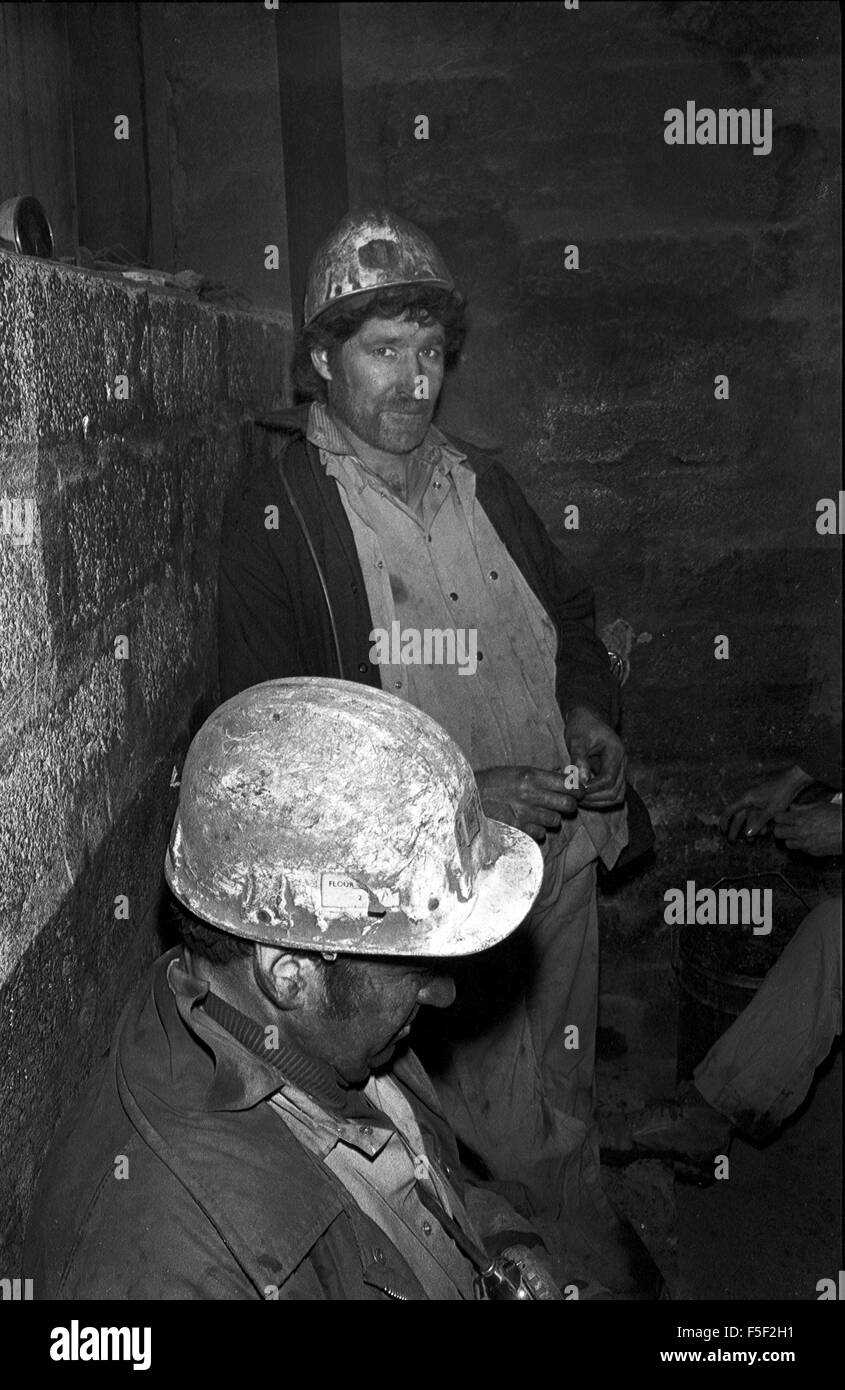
584,674
257,635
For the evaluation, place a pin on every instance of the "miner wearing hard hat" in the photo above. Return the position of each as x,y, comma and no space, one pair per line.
370,546
260,1129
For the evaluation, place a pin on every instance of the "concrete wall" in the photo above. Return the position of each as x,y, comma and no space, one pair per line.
225,148
129,497
697,515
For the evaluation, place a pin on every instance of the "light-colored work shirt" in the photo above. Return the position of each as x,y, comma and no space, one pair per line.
444,591
380,1166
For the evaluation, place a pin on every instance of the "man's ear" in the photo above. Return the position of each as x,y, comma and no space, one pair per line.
287,978
320,362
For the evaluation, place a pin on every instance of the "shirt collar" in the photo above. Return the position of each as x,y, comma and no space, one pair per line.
369,1134
242,1078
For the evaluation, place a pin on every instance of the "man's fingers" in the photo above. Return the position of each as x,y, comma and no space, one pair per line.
543,783
730,821
737,824
755,823
564,803
613,797
537,832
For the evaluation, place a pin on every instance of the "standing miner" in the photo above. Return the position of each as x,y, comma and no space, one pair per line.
361,519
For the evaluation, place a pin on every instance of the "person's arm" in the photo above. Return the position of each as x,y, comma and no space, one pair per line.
815,830
585,678
769,800
586,690
257,635
751,812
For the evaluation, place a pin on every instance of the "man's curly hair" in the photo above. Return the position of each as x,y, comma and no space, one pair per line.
423,305
215,946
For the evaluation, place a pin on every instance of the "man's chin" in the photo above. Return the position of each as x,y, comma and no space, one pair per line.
380,1059
399,438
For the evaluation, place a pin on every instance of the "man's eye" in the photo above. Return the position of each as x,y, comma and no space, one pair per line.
378,351
433,351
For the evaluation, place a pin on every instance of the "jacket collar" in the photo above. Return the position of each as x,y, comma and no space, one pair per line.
293,420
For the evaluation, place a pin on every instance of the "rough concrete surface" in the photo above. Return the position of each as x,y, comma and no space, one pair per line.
128,497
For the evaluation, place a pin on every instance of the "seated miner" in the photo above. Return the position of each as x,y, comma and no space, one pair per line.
760,1070
364,536
261,1129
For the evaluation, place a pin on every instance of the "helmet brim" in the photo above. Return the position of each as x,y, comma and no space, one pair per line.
360,297
505,892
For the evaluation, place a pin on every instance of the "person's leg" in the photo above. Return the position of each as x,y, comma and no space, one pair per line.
760,1070
515,1073
513,1058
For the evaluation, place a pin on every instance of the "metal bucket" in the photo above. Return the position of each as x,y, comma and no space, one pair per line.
720,968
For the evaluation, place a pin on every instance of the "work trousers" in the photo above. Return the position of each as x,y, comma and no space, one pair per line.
760,1070
513,1060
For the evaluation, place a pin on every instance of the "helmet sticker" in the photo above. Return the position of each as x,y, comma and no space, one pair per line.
336,890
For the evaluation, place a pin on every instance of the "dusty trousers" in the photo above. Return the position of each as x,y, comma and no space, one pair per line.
513,1059
760,1070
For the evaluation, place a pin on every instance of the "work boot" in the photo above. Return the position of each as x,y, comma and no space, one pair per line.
687,1132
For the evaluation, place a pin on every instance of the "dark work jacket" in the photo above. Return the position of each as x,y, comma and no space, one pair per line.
217,1200
274,616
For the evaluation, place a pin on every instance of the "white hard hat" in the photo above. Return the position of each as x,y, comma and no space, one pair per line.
329,816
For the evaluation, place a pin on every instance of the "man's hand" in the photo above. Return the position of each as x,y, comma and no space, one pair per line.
814,829
751,812
595,747
529,798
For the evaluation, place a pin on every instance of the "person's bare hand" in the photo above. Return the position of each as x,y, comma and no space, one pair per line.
813,829
593,745
529,798
750,813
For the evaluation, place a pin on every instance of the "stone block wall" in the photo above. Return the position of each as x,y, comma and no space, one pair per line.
697,515
125,495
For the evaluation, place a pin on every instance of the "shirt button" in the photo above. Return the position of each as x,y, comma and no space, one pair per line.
426,1226
436,485
494,574
429,536
380,563
453,596
366,1129
397,685
363,667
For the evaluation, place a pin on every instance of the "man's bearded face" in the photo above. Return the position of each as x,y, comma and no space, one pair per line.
374,388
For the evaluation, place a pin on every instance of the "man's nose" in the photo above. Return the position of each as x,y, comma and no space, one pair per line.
438,992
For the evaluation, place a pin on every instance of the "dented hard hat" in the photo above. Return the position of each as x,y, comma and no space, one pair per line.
328,816
367,252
